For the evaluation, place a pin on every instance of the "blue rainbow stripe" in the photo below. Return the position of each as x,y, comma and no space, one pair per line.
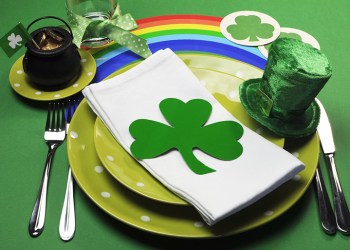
114,60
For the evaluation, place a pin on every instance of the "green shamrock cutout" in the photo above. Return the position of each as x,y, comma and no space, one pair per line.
250,27
186,132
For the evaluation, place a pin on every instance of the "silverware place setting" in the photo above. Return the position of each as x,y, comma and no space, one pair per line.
341,209
58,119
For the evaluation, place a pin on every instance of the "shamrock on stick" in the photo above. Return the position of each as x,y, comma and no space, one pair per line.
187,131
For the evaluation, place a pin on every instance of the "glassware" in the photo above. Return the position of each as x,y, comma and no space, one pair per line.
95,10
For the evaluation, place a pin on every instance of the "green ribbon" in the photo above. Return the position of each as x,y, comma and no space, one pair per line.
117,28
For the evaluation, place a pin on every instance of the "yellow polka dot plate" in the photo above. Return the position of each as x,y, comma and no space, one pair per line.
21,85
164,218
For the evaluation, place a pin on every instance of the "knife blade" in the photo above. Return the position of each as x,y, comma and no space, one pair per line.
324,130
325,134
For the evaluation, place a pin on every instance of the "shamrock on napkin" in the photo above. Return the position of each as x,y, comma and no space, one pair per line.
187,131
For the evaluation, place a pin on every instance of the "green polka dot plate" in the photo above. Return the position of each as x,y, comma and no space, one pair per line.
222,82
168,219
21,85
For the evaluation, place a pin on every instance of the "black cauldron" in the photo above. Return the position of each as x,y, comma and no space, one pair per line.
53,68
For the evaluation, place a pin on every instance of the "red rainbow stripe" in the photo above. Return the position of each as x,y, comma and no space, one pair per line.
178,19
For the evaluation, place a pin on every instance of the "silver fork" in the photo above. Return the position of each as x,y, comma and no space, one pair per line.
54,136
67,220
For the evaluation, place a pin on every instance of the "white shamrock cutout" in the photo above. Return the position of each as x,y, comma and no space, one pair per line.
14,40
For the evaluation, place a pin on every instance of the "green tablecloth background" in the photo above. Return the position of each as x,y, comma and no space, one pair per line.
23,151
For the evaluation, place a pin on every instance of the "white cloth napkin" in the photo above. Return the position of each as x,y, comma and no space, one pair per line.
235,184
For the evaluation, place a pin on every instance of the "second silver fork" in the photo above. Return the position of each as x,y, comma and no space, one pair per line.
67,220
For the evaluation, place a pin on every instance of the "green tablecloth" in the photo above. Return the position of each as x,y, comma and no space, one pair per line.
23,151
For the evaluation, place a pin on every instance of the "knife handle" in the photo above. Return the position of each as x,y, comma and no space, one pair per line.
326,212
341,210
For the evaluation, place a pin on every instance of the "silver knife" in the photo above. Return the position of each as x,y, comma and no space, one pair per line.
341,210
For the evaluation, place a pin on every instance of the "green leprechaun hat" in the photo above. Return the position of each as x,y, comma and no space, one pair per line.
283,100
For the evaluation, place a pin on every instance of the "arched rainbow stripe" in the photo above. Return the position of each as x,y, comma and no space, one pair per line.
181,33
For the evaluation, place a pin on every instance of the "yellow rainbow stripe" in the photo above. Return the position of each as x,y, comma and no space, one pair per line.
176,27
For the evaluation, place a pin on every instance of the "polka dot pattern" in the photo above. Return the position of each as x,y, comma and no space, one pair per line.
268,213
126,22
78,25
145,218
240,74
198,224
134,43
117,29
232,94
20,84
296,154
105,194
140,184
110,158
73,134
99,169
296,178
259,131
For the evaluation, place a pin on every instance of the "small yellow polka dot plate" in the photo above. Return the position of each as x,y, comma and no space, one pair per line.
21,85
222,82
168,219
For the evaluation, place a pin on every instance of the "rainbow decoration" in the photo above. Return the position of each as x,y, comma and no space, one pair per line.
181,33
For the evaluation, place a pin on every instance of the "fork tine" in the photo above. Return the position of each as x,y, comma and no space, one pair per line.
69,110
58,123
72,105
53,119
48,118
63,117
